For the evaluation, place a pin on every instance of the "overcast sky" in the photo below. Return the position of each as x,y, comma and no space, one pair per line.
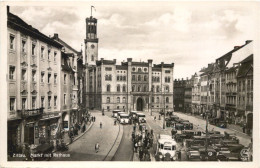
189,34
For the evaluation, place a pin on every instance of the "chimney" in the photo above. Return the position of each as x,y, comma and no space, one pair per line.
8,9
56,35
129,59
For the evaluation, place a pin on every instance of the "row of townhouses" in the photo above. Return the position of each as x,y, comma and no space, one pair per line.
223,88
46,81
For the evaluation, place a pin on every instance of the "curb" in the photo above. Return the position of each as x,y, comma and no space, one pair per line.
115,146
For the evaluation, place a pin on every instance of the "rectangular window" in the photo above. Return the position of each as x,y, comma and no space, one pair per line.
42,77
33,49
11,42
23,103
23,74
12,104
65,78
108,68
33,75
33,102
42,52
23,46
49,101
55,56
11,72
55,78
55,101
64,101
42,101
49,54
167,71
49,78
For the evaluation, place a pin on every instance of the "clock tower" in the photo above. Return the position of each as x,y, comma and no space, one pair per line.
91,41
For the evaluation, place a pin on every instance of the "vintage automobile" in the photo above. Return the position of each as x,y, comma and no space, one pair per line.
166,146
187,125
218,122
231,136
208,154
179,126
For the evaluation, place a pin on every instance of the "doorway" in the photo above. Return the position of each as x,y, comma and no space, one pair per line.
139,104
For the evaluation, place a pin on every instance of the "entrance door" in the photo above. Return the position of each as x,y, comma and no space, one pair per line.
139,104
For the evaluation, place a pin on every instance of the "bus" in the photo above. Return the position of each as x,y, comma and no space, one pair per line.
124,119
141,117
114,113
119,115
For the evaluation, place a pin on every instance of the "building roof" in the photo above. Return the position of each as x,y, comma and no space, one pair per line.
122,67
17,23
246,65
56,38
140,63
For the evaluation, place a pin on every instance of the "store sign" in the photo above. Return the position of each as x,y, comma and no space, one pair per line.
33,112
53,115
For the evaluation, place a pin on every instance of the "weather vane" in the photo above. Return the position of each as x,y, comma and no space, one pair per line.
91,9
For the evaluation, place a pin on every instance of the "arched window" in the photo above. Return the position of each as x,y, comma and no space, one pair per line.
92,57
139,77
145,78
139,88
108,99
167,99
124,88
124,100
118,99
133,77
157,100
118,88
153,88
144,88
108,88
157,89
152,99
133,88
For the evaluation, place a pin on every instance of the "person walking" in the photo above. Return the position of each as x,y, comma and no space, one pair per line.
96,147
100,124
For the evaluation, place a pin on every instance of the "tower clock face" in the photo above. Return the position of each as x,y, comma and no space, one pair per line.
92,46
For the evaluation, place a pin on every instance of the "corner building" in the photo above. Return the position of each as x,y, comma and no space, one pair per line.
132,85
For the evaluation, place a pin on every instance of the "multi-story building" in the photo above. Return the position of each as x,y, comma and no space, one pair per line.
179,94
196,108
130,86
188,95
69,84
33,84
205,95
245,93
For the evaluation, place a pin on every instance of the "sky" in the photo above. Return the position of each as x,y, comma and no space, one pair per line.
190,35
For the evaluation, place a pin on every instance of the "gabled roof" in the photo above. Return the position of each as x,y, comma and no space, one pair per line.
17,23
56,38
246,65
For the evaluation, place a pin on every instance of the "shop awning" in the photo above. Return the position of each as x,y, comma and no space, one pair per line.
49,118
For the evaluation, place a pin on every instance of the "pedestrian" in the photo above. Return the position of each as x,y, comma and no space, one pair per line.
96,147
154,118
115,122
100,124
134,128
135,146
141,154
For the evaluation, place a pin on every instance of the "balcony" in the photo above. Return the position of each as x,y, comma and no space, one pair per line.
31,113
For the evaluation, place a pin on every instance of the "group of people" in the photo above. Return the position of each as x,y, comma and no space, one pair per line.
142,141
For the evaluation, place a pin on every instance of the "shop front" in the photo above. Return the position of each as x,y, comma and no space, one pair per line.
48,127
14,136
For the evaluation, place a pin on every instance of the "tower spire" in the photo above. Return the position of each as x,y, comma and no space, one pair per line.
91,10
